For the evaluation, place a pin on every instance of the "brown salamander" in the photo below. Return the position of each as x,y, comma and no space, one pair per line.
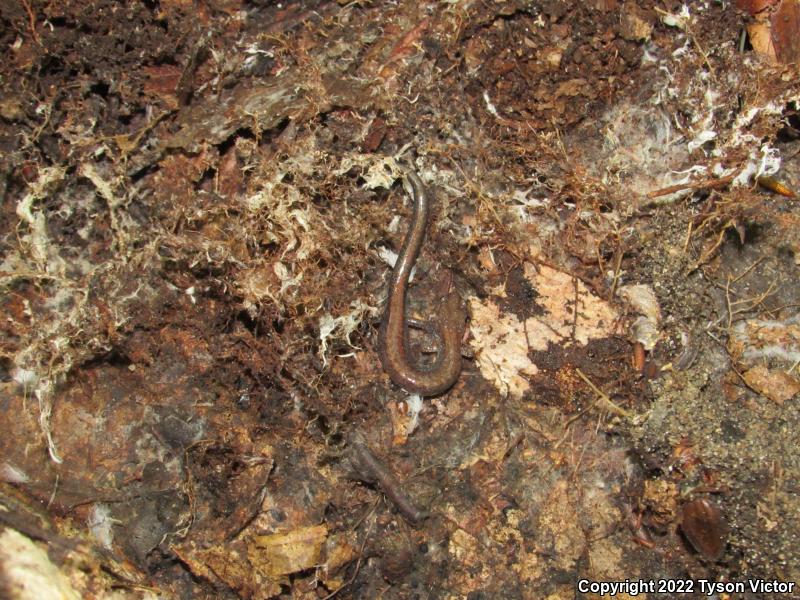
393,336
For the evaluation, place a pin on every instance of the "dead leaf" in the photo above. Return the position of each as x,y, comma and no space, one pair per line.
570,314
755,6
227,564
761,40
289,552
634,24
786,31
776,385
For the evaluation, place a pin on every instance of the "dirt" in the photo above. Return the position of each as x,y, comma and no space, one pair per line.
201,203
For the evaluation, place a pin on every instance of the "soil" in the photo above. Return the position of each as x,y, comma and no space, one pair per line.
201,204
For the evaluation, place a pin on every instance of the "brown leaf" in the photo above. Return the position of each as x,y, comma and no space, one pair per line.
786,31
226,563
776,385
761,40
635,25
755,6
289,552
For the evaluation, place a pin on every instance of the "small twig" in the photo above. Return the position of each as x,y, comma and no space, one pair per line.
569,423
703,184
735,279
370,469
515,441
747,270
714,247
358,563
601,397
53,495
31,21
688,237
749,304
584,449
609,405
688,30
184,89
724,348
728,304
742,40
617,268
478,191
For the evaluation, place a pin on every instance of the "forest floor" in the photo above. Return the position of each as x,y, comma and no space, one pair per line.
201,201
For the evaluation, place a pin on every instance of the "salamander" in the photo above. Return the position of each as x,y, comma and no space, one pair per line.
449,327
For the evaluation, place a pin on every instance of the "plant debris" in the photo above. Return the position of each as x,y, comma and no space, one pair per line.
201,202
